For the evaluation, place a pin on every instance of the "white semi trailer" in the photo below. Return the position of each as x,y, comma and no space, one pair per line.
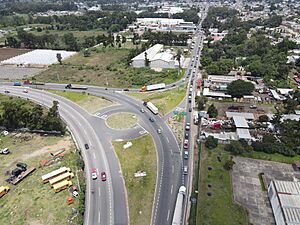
152,107
177,217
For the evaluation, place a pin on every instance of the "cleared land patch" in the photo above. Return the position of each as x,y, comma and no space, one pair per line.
140,191
106,67
6,53
215,198
122,120
165,101
31,201
88,102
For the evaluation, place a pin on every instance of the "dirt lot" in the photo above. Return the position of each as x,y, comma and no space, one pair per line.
12,72
6,53
31,201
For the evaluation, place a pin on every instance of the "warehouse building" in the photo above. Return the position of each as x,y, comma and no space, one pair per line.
284,197
158,58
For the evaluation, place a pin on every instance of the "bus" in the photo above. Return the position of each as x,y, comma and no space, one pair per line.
55,173
64,176
62,185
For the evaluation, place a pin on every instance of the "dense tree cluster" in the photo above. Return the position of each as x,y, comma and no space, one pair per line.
32,7
239,88
168,38
17,114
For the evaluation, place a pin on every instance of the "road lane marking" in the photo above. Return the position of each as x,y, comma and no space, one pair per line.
171,189
99,192
167,139
168,215
94,155
99,217
173,169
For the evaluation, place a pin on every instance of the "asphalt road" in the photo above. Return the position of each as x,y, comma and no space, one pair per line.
107,204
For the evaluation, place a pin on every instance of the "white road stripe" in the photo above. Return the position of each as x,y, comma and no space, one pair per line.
99,217
171,189
168,215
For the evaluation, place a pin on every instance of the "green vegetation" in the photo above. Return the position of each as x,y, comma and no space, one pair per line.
18,113
31,201
140,191
276,157
106,67
88,102
165,101
211,142
239,88
218,208
212,111
122,120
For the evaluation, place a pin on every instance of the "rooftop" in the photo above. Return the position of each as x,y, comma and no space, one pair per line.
240,122
247,116
151,52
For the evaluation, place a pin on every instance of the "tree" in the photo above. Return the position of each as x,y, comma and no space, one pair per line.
235,147
211,142
147,61
229,164
59,58
178,56
212,111
239,88
263,118
86,53
200,101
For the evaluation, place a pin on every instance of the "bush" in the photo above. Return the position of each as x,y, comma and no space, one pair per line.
235,147
211,142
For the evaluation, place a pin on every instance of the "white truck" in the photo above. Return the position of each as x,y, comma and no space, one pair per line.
153,87
152,108
177,217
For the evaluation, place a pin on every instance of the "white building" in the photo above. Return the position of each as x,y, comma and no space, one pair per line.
285,201
157,58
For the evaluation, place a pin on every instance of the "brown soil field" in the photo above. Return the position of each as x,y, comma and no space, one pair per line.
6,53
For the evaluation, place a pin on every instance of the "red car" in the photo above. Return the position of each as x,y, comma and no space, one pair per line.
94,173
103,176
186,144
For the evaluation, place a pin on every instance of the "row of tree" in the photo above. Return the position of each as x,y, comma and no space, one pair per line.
166,38
17,114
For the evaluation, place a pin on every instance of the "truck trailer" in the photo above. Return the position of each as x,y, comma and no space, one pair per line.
152,108
153,87
77,87
177,217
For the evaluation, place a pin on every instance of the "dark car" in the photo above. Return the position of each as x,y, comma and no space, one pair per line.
6,91
126,89
151,119
186,135
190,109
103,176
86,146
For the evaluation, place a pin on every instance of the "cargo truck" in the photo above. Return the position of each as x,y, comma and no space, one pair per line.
152,108
3,190
153,87
78,87
177,217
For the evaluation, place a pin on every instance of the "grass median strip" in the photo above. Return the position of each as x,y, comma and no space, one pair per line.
165,101
140,190
88,102
122,120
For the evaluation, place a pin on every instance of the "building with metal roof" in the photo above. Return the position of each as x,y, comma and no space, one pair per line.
243,134
285,201
157,58
247,116
240,122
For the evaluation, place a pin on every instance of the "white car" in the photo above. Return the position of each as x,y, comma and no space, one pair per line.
94,174
25,91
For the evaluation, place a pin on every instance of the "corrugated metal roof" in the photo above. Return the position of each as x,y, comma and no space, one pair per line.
243,133
247,116
151,52
240,122
289,195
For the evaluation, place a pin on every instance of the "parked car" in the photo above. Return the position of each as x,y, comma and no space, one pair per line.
86,146
185,170
103,176
5,151
94,173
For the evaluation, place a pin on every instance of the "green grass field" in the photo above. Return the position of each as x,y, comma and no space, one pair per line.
106,67
122,120
218,208
88,102
165,101
31,201
140,191
273,157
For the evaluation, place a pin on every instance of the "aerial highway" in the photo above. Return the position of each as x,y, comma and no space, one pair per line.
106,202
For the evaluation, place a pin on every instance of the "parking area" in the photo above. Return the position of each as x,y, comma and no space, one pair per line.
247,188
